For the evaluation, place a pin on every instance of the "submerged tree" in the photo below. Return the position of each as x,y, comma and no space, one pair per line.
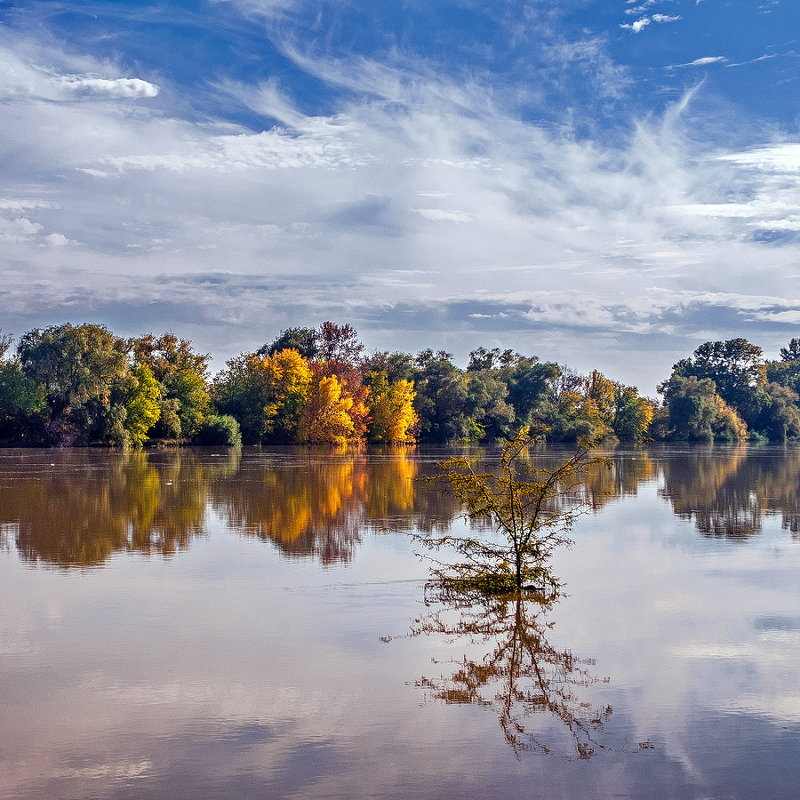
530,508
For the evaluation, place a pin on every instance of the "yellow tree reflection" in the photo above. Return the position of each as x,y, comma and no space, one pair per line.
515,671
318,504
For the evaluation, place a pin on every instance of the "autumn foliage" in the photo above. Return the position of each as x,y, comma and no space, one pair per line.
82,385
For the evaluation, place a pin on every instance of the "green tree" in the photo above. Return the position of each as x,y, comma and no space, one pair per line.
242,391
219,430
183,376
737,369
84,372
697,413
266,394
633,415
489,414
397,366
481,359
22,407
622,411
779,418
530,386
441,398
574,416
304,340
786,371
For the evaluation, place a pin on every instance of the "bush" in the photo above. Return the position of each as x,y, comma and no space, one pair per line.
219,429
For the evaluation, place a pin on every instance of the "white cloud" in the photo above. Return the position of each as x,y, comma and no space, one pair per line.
274,149
57,240
21,78
777,158
443,215
640,24
113,87
705,61
18,229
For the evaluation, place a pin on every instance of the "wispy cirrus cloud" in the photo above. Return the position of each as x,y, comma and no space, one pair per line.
704,61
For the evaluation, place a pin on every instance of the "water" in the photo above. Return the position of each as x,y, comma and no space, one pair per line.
217,625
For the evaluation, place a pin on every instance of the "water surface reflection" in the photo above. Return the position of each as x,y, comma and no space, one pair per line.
76,508
729,491
203,624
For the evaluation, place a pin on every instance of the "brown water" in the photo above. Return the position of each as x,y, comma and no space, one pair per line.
203,624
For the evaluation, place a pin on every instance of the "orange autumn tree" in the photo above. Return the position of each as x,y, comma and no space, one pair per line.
339,356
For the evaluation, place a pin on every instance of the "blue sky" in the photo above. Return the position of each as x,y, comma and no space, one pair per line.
602,183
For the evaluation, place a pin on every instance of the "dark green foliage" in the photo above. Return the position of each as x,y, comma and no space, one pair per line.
696,412
483,359
240,392
786,372
763,394
441,398
779,416
737,369
489,414
304,340
84,372
530,385
396,366
22,407
219,430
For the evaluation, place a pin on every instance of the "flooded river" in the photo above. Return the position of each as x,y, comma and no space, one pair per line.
206,624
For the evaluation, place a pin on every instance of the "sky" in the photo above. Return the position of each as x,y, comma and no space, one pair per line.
602,183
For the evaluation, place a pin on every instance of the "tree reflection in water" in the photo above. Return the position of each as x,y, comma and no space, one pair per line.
318,503
514,670
85,506
728,492
77,508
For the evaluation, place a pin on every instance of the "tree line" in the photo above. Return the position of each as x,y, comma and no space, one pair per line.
77,385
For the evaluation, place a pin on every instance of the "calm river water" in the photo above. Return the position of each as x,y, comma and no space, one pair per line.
204,624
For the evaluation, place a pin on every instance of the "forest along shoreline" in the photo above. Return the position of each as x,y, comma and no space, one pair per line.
81,385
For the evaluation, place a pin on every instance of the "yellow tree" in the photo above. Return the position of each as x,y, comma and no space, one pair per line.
287,379
602,391
325,416
393,418
141,404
